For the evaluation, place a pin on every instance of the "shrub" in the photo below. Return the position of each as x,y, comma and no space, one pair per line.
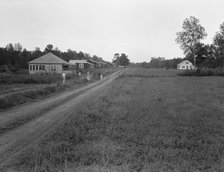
22,71
17,99
49,89
203,72
4,103
29,79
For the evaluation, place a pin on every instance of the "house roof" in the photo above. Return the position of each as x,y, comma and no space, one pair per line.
48,58
102,62
92,61
184,62
78,61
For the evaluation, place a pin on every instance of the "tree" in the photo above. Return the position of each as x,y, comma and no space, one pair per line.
201,54
81,55
121,60
124,61
24,58
18,47
218,42
87,56
9,47
49,48
12,54
116,55
36,53
157,62
95,58
191,35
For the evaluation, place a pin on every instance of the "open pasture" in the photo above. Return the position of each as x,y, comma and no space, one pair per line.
146,120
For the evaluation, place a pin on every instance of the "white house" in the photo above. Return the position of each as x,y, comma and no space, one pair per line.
48,63
185,65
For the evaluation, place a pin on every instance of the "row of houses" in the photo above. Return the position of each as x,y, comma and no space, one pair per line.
50,63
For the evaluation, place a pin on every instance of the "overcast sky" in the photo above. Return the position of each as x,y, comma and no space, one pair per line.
139,28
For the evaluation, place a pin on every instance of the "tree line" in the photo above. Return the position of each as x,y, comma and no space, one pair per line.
14,56
160,62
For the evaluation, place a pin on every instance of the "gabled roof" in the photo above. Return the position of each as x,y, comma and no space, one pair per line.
48,58
78,61
184,62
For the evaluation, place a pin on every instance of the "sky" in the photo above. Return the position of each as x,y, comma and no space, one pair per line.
139,28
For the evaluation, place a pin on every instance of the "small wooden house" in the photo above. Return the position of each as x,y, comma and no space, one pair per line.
102,64
185,65
81,65
93,62
48,63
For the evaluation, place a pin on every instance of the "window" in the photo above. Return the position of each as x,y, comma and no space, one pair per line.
183,67
42,67
31,67
81,65
53,68
187,63
36,67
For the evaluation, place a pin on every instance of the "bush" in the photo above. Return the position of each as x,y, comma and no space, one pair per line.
22,71
17,99
4,103
28,79
203,72
9,78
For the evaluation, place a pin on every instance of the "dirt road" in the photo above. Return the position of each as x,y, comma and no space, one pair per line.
39,118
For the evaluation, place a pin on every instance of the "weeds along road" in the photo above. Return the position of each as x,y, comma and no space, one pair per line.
22,90
37,119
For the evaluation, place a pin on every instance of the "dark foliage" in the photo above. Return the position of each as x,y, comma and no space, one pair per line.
121,60
160,62
29,79
203,72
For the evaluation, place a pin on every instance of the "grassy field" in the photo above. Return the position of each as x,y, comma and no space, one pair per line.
147,120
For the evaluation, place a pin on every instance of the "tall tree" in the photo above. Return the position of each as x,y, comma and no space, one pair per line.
218,42
124,61
9,47
49,48
18,47
116,55
191,35
201,53
12,54
121,60
116,59
36,53
81,55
